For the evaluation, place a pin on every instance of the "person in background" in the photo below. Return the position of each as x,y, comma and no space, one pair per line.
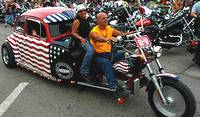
177,5
195,10
47,3
196,14
80,30
15,7
8,11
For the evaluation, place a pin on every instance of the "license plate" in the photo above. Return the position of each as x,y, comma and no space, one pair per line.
142,41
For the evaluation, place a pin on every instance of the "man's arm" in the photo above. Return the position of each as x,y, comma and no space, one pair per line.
119,33
75,26
194,12
97,38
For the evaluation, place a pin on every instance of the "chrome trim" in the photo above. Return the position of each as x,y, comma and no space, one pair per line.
136,86
99,87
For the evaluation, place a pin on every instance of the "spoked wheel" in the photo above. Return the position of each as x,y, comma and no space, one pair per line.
180,100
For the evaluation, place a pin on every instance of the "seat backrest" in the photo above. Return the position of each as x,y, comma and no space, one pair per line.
76,51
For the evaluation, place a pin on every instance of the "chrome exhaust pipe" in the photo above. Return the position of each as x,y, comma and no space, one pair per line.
175,43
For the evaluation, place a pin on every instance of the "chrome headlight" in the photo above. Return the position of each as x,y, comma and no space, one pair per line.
158,51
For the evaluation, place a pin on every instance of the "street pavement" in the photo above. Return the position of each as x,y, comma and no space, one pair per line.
44,98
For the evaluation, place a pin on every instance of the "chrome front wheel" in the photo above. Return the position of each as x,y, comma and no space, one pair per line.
180,100
175,106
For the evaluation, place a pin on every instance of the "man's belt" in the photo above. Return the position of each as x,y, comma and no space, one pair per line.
107,55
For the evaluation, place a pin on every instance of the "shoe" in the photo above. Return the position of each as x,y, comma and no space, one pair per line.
86,77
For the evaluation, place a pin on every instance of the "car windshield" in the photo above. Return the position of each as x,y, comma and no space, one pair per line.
59,28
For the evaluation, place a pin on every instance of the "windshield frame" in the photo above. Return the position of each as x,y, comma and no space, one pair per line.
66,33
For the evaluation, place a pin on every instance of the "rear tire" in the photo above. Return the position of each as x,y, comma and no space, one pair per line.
181,102
8,55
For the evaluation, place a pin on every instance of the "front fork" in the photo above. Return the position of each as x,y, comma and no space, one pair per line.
153,77
156,84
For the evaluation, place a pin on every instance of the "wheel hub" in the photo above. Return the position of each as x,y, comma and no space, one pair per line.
175,102
170,101
64,71
5,56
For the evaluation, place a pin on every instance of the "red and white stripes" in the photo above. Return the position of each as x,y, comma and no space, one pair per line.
121,66
32,52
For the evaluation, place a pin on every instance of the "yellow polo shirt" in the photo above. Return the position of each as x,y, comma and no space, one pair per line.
101,47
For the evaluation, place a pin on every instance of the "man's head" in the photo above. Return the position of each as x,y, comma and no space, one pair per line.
102,19
34,33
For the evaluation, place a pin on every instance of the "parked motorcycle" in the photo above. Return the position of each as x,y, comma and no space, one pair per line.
167,95
166,32
1,13
122,19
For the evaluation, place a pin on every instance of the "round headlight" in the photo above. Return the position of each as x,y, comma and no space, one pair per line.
158,51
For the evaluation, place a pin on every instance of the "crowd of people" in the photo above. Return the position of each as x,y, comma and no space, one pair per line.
12,7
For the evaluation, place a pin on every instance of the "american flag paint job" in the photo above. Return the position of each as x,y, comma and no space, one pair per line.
65,15
31,53
121,66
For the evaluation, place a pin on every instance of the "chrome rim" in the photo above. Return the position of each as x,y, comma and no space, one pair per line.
63,70
5,56
176,105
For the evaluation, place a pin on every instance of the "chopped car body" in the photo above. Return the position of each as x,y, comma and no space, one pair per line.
52,43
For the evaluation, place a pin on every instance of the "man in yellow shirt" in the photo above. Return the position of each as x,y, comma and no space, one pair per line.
100,36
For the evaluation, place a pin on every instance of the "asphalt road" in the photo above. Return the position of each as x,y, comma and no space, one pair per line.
44,98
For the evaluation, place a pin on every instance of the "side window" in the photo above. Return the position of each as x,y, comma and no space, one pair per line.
20,25
36,29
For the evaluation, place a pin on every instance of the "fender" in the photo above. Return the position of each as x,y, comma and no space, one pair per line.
145,22
173,25
163,76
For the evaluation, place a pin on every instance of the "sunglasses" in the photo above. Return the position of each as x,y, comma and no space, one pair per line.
104,18
82,11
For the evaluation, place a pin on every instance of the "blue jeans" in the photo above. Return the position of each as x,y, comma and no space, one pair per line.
9,18
105,64
85,67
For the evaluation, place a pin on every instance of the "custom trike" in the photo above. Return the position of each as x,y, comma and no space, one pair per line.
55,55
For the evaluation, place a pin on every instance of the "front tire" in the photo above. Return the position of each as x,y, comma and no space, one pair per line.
181,102
8,55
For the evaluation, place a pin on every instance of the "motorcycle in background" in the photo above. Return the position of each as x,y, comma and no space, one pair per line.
1,13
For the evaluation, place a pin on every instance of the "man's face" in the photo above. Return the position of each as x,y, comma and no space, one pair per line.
103,20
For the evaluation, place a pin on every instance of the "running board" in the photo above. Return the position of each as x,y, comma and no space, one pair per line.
95,86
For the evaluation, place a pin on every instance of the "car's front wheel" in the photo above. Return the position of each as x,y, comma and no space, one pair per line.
8,55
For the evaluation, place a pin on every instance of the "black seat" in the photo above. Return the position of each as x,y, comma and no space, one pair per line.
76,51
